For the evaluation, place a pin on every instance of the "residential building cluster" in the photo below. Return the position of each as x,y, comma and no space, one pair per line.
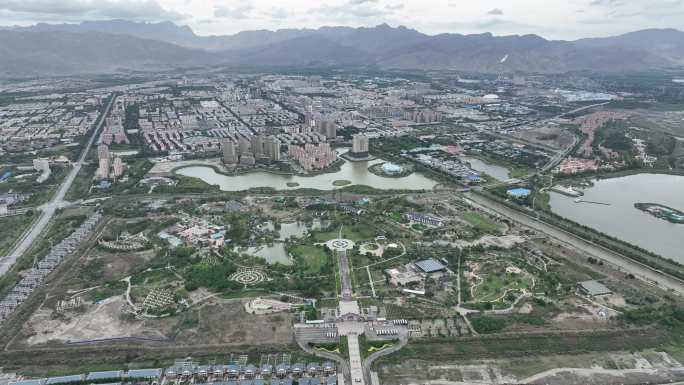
573,165
35,277
251,150
113,130
37,123
280,372
109,166
313,157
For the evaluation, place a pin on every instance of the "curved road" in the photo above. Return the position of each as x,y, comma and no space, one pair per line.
368,362
57,201
341,362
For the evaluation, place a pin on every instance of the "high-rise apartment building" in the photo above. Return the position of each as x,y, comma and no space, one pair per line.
359,146
230,155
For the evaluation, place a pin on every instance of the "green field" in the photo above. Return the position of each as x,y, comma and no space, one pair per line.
481,223
419,227
81,185
312,258
357,233
12,228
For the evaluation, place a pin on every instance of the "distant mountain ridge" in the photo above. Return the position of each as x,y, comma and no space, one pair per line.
28,50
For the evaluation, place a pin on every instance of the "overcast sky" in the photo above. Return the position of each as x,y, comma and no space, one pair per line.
556,19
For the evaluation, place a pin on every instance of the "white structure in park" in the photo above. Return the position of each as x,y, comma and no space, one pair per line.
43,165
392,169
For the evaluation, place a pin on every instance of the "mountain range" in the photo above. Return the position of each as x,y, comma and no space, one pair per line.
115,45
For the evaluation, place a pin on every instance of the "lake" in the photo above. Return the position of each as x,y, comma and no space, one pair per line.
499,172
356,172
271,253
296,229
622,220
276,252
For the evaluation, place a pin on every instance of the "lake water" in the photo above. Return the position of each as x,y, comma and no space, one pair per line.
296,229
356,172
493,170
622,220
271,253
276,252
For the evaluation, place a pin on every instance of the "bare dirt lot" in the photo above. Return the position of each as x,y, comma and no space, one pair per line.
119,265
99,321
614,368
216,321
552,136
226,322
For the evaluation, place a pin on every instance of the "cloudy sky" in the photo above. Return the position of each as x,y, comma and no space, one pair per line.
557,19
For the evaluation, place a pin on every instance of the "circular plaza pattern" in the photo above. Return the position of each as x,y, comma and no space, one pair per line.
247,276
340,244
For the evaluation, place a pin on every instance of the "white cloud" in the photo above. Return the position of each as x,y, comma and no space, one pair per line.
89,9
242,10
557,19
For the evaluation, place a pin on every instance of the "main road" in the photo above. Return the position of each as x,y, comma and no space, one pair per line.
57,201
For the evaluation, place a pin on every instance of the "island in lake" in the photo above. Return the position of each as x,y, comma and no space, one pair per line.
660,211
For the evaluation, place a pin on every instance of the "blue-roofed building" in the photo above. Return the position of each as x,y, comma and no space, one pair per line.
298,368
312,368
203,370
430,266
64,380
232,370
266,369
519,192
282,369
106,375
148,374
331,380
473,178
219,370
328,367
6,175
425,219
250,370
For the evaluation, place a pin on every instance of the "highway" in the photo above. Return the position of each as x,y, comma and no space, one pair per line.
576,110
57,202
590,248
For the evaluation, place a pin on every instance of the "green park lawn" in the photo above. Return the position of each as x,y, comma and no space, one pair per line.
496,283
312,258
481,223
